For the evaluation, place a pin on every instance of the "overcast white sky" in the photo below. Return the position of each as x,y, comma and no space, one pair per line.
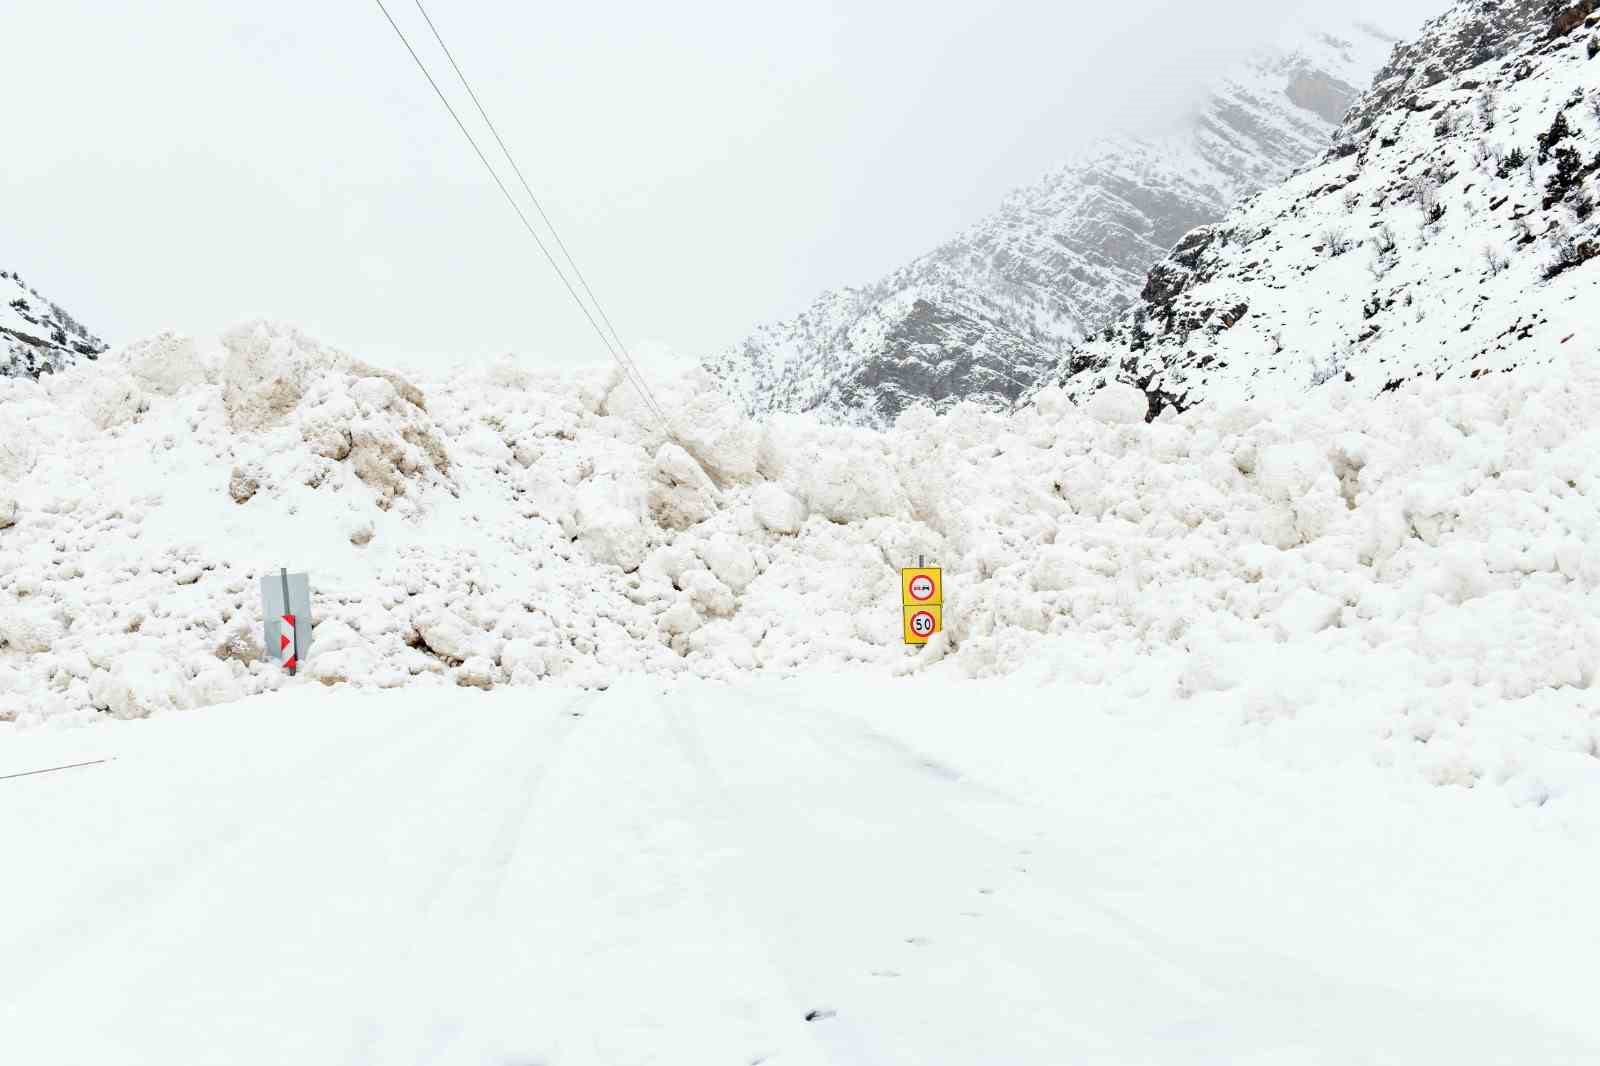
712,164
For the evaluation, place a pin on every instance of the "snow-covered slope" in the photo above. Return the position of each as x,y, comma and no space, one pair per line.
1334,565
1448,233
988,314
37,336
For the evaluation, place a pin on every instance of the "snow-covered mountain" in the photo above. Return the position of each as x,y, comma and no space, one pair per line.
1448,232
990,313
37,336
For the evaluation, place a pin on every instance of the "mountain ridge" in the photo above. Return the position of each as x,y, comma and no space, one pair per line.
38,336
1446,232
988,314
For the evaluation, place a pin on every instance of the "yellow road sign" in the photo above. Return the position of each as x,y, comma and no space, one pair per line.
922,586
921,623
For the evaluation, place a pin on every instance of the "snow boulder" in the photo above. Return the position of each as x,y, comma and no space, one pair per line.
164,363
476,672
8,512
852,480
266,372
1119,404
730,561
712,430
1306,612
243,484
114,399
29,630
524,660
446,636
607,515
681,494
137,685
377,423
1299,478
776,510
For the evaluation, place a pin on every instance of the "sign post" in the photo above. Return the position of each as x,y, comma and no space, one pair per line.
922,603
286,617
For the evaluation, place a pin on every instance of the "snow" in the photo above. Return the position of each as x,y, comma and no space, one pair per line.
1266,732
1429,557
834,869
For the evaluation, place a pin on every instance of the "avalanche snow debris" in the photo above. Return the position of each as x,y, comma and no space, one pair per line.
1437,546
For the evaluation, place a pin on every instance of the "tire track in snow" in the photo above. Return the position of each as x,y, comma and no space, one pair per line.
508,836
979,842
797,1011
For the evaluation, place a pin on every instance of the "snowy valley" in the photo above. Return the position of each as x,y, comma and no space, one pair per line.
1264,725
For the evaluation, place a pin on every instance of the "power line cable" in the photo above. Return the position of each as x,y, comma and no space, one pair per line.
527,188
501,185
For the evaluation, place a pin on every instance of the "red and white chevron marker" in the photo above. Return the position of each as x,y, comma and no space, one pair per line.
286,641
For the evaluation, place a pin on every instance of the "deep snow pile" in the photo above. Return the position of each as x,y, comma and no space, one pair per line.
1453,231
1419,570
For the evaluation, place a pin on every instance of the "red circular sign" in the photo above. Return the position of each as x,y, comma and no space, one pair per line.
921,587
922,624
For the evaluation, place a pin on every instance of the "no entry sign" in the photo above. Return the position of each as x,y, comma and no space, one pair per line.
922,603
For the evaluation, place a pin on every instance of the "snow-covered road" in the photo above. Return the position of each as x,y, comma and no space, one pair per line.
831,872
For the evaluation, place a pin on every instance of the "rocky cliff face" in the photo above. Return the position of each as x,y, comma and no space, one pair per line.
1451,231
1468,35
37,336
989,314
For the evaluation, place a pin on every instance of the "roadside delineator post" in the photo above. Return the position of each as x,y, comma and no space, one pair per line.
286,618
921,602
288,646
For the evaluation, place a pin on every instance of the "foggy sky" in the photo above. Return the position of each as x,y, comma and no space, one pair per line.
713,165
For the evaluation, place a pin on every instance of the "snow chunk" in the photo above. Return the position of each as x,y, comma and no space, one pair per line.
265,372
1306,612
1118,404
712,430
137,685
29,630
777,510
609,526
164,363
730,561
682,495
113,399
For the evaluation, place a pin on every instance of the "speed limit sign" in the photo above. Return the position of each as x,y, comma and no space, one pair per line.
921,623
